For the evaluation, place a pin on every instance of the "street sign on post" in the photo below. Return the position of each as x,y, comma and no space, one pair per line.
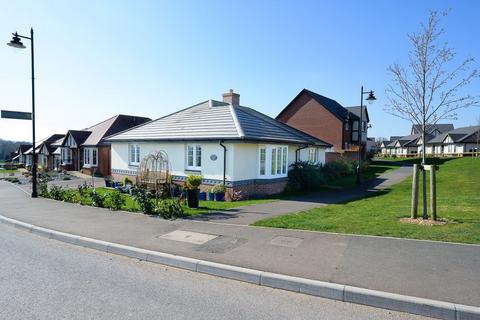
16,115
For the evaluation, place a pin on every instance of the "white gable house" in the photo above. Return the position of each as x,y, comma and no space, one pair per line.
223,142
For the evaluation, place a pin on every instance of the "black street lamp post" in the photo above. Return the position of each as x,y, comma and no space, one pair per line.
370,99
17,43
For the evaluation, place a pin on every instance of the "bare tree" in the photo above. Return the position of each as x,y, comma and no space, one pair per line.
430,87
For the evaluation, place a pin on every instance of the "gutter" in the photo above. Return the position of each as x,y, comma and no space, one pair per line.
224,160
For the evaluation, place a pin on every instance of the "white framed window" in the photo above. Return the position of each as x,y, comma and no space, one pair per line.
194,157
312,155
66,155
90,157
134,154
263,161
273,161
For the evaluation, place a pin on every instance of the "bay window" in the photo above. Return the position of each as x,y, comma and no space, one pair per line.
194,157
273,161
90,157
134,154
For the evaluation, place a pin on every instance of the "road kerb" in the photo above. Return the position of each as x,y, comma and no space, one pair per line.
379,299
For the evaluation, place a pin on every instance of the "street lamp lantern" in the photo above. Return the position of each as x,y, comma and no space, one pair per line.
16,42
371,97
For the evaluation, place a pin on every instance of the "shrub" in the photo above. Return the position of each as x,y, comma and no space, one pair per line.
97,199
71,196
218,188
56,193
42,188
170,208
304,176
193,182
114,200
143,197
84,189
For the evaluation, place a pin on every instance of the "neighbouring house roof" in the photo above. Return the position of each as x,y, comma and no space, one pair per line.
111,126
331,105
24,148
356,111
94,135
49,143
215,120
78,135
459,135
46,141
432,128
406,141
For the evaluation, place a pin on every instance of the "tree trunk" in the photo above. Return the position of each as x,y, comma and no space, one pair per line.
414,209
424,175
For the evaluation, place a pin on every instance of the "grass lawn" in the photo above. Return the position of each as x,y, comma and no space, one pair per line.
5,171
204,207
458,189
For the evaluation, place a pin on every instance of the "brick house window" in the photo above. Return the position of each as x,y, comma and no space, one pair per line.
90,157
66,155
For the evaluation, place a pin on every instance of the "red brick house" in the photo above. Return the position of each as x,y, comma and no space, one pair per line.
327,120
87,151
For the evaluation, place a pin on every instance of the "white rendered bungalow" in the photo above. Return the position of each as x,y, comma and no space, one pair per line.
224,142
404,146
458,142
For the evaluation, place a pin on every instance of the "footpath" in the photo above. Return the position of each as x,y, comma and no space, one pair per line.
432,270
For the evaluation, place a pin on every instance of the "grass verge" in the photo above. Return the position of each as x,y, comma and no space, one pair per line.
458,188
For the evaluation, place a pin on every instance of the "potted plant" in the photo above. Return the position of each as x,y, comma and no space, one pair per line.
218,192
210,195
193,192
108,181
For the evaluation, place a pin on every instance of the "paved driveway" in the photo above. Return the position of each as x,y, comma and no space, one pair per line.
249,214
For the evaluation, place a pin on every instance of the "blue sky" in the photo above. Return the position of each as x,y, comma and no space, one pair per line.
150,58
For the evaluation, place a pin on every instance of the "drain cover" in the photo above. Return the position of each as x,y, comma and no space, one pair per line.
188,236
290,242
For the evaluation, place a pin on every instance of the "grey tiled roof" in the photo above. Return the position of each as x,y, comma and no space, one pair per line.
406,141
215,120
441,127
463,134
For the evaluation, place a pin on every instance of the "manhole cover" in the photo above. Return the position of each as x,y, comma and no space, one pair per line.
188,236
290,242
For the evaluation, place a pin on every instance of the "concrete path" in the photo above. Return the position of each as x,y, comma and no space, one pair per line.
249,214
433,270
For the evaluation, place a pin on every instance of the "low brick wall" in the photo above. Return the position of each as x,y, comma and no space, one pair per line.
257,189
250,189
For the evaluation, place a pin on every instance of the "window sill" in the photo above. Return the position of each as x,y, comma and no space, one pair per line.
196,170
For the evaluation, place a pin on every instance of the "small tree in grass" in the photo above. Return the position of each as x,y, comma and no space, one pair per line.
431,86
